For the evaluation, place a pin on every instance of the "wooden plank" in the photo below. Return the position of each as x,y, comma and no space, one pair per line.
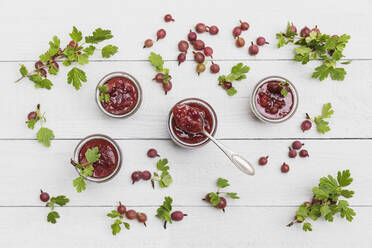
204,227
30,25
74,114
29,166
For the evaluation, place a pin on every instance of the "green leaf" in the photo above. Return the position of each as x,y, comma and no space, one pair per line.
233,195
66,62
76,35
23,70
214,198
302,213
76,76
113,214
89,50
44,135
321,72
320,194
327,111
87,171
53,70
347,193
338,74
69,52
61,200
52,217
116,227
284,92
99,35
324,210
222,183
344,178
156,60
161,164
303,50
83,59
321,125
92,155
109,50
126,225
31,123
232,91
103,88
165,180
307,227
79,184
163,212
345,211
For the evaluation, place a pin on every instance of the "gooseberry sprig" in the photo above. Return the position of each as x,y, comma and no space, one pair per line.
72,53
86,169
44,135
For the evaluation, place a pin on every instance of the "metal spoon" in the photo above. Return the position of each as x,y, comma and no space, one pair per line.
239,161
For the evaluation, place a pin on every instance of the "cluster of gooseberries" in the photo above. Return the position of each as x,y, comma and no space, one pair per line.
138,175
292,153
240,42
201,51
159,78
131,214
297,145
160,34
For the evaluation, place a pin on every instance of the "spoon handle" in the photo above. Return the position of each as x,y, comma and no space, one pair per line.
239,161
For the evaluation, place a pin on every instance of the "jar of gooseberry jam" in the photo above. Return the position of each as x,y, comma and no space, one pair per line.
109,162
183,109
274,99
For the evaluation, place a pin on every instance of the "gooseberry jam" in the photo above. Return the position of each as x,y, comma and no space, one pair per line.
125,94
274,99
110,160
187,119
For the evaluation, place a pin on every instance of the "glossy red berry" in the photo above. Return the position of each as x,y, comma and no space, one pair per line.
146,175
293,28
244,25
306,125
148,43
43,72
253,49
304,153
131,214
121,208
292,153
167,87
39,64
44,196
183,46
181,58
207,198
199,57
192,36
284,168
263,160
208,51
222,203
158,77
297,145
161,34
305,32
136,176
198,45
316,30
215,68
73,44
227,85
316,201
261,41
177,216
237,31
200,28
240,42
213,30
142,218
168,18
32,115
152,153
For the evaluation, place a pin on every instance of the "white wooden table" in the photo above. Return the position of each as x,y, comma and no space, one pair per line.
268,200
